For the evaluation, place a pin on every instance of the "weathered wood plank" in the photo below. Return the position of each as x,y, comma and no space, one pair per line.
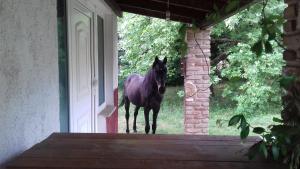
140,149
147,137
138,152
122,151
92,142
136,164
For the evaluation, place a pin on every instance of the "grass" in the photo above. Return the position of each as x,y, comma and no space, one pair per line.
171,118
223,116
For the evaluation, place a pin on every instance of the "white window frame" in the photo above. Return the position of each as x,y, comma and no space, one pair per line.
107,107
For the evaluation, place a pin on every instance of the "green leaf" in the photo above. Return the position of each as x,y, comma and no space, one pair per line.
243,122
257,48
234,120
216,8
278,120
272,36
233,4
263,149
286,81
245,132
258,130
194,25
268,47
275,152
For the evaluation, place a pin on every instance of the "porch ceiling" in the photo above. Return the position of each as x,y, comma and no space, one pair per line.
186,11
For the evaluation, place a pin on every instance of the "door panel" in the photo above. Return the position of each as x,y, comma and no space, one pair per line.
82,39
80,54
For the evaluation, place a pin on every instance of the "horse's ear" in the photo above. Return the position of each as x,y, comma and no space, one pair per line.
165,60
155,61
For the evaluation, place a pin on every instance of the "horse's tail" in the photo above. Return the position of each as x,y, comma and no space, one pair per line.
122,101
121,85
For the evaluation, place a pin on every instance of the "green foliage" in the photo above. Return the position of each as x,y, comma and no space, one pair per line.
234,120
251,80
244,125
280,141
180,93
254,80
254,63
143,38
286,81
218,12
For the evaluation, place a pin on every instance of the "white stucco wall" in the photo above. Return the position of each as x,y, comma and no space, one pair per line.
29,93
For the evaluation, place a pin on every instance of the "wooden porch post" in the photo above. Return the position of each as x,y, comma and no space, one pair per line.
196,82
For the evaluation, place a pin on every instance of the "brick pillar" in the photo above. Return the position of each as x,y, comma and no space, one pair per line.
197,82
292,42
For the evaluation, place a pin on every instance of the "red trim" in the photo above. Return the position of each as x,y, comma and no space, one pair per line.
112,121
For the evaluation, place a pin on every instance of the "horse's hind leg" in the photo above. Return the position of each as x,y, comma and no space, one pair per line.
136,111
127,104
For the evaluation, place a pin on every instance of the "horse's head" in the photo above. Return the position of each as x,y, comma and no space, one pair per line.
160,74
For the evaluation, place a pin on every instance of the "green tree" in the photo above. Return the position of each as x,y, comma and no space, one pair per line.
143,38
250,40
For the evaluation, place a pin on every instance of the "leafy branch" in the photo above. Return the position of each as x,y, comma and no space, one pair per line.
280,141
270,31
218,12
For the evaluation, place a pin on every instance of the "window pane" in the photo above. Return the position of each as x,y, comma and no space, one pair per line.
101,60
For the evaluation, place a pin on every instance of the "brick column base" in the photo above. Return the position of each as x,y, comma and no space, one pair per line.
196,82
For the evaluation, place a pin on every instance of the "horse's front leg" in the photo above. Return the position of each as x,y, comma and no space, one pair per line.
136,111
155,114
147,125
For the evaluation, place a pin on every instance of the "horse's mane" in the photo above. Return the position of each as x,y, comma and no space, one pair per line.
149,83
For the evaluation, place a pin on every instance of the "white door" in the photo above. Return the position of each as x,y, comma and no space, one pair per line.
80,34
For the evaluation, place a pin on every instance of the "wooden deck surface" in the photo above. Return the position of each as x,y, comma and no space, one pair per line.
121,151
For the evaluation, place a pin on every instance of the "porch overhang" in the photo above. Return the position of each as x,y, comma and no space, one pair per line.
186,11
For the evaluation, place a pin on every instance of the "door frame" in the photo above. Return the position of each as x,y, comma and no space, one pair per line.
62,31
99,112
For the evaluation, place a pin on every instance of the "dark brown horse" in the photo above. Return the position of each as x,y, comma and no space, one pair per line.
146,91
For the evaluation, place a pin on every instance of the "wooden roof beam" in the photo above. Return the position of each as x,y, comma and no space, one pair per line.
157,14
201,9
244,4
187,11
114,6
154,6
